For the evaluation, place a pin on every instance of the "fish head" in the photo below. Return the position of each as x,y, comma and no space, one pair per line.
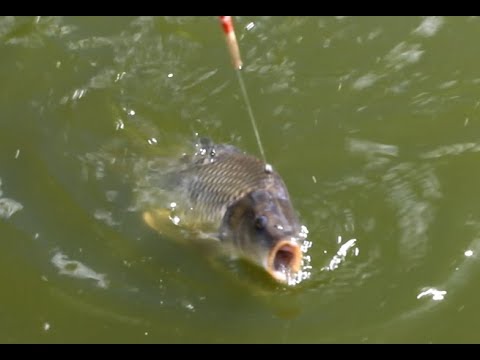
264,227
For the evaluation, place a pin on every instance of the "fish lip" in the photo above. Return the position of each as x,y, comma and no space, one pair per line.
286,254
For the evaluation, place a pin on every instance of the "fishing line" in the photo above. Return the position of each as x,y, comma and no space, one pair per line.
234,51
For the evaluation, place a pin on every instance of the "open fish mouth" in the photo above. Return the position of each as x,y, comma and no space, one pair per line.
284,260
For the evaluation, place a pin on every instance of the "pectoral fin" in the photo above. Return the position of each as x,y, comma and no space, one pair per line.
159,220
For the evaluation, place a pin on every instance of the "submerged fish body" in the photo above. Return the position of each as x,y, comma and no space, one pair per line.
244,200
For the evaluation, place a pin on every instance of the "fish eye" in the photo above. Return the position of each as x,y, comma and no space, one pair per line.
261,222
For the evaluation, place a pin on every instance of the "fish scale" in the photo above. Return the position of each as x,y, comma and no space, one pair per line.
215,182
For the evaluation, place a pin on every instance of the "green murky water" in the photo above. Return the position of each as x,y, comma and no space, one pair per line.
373,123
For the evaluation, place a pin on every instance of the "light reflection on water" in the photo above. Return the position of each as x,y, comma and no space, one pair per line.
76,269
